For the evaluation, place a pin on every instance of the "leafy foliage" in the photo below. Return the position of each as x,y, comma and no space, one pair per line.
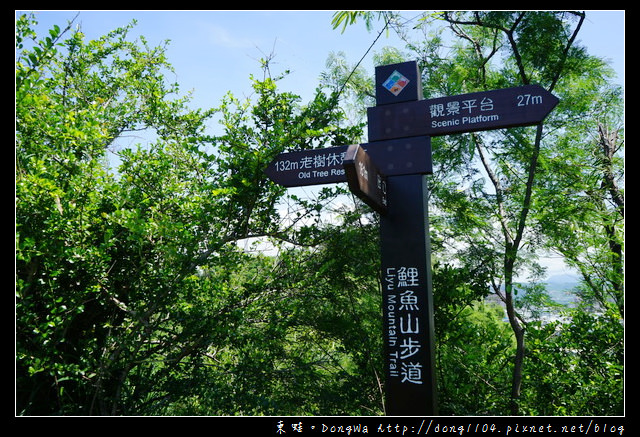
130,289
134,295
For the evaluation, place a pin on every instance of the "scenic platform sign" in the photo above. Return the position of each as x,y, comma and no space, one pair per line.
389,174
526,105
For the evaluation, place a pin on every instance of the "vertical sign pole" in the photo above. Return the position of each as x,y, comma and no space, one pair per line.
399,151
405,253
407,299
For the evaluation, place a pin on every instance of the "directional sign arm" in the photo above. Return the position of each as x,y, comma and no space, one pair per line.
308,167
526,105
365,179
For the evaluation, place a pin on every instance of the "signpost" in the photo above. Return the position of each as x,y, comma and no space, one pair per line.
326,166
497,109
365,179
389,174
308,167
407,303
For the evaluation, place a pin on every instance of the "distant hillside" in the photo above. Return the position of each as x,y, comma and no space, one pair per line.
561,287
563,281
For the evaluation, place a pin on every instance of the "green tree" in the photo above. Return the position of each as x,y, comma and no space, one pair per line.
577,366
473,343
511,163
492,193
132,295
584,217
72,289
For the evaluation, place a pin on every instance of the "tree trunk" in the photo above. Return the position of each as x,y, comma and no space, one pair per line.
518,331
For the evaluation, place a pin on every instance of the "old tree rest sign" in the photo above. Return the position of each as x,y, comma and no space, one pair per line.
388,173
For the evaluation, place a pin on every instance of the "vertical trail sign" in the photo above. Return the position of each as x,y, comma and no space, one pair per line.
407,303
410,385
389,174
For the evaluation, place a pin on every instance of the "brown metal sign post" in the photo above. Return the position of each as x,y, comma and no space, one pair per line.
407,302
401,112
389,174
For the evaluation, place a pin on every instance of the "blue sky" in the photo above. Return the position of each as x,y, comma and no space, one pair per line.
215,51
